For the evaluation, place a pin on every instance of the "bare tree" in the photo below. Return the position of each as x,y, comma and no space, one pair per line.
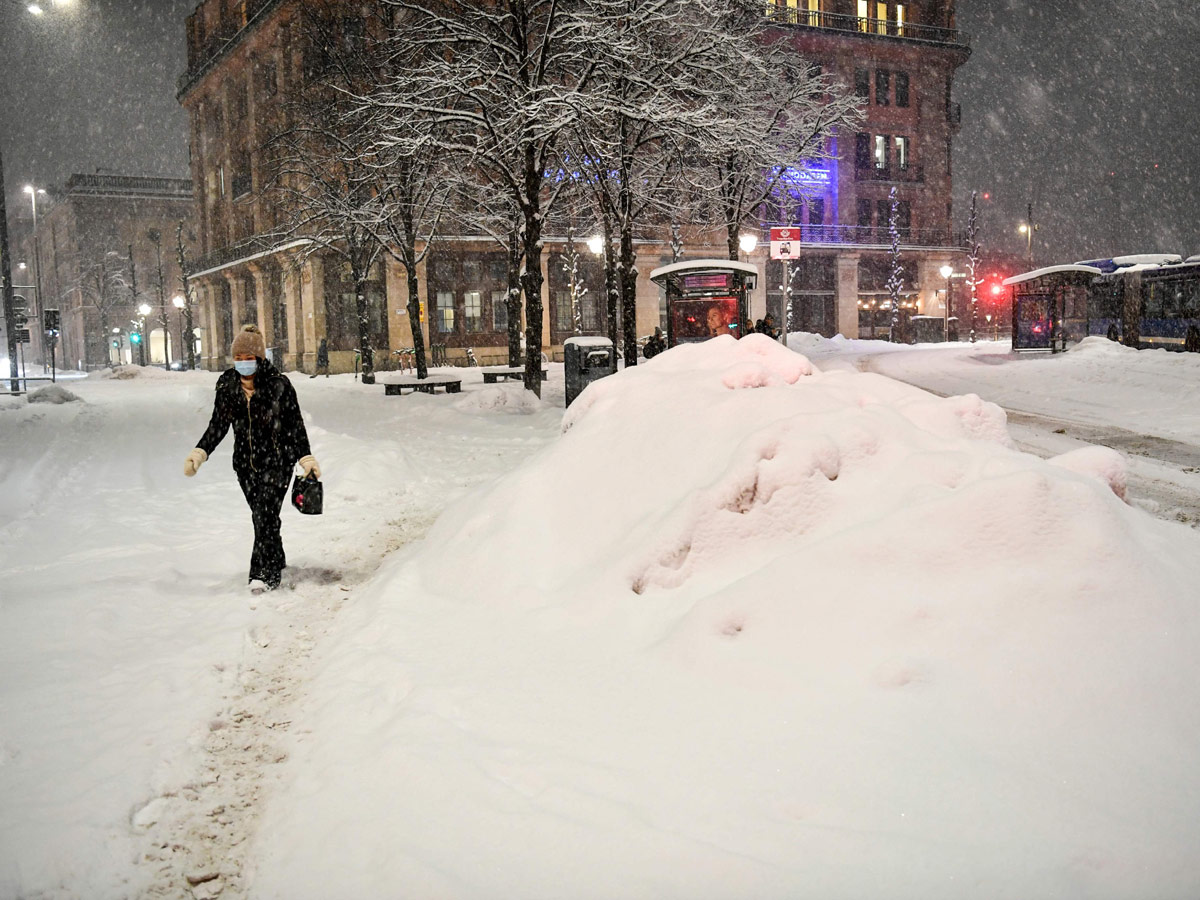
895,282
778,116
104,289
500,78
973,274
323,179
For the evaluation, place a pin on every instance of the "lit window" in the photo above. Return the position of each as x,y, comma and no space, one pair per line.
902,153
814,12
863,14
900,18
881,151
881,18
499,311
563,313
473,310
445,312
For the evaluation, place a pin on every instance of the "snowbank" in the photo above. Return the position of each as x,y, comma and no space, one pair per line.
751,629
53,393
124,373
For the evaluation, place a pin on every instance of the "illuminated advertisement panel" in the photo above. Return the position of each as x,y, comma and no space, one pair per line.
710,281
701,319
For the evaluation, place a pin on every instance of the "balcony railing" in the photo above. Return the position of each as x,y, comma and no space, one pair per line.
126,185
870,236
211,47
782,14
906,175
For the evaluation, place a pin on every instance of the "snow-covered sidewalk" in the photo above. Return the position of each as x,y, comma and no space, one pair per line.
741,630
134,668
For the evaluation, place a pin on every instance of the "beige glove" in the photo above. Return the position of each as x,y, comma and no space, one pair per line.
310,467
194,461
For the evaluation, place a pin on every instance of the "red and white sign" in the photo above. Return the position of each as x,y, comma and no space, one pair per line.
785,243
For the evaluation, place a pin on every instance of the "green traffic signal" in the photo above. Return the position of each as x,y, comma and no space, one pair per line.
135,338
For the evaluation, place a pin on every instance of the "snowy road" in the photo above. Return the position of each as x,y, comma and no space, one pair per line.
1164,472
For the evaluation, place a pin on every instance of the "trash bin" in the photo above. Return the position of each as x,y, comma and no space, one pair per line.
587,359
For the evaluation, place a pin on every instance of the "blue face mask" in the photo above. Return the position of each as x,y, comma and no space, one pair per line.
246,367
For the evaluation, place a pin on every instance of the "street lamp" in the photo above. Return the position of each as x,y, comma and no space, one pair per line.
946,272
748,242
143,310
1026,230
596,245
39,304
179,303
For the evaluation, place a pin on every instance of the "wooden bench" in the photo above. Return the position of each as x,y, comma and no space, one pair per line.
426,385
493,374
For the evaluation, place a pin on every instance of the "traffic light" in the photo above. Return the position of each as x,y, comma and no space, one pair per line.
51,320
135,338
117,344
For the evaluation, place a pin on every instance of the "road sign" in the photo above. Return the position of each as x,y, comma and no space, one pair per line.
22,335
785,243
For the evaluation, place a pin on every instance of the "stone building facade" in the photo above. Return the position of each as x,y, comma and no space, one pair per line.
83,239
245,58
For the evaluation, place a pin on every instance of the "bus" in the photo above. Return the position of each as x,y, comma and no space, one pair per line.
1154,305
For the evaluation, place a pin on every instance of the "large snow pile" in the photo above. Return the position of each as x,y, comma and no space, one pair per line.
753,630
124,373
53,393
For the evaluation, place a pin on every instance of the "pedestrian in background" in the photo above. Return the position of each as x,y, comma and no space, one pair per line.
655,345
269,440
322,359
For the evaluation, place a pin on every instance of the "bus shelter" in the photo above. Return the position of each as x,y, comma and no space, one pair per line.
1049,306
706,298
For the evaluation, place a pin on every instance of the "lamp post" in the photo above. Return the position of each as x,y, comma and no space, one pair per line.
10,325
1026,229
179,303
747,242
946,272
143,311
38,302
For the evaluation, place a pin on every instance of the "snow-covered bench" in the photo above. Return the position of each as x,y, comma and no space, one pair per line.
426,385
493,374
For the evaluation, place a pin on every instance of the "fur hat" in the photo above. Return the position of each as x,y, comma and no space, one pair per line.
249,340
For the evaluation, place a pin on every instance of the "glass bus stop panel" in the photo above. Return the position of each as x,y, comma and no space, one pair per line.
704,318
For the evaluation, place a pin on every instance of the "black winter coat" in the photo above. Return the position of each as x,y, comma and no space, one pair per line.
268,430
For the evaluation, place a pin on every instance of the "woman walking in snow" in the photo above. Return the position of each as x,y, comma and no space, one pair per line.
269,440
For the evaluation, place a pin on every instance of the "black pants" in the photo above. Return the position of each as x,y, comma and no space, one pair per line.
264,492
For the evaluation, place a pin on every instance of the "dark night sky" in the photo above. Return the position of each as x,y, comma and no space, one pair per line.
1057,95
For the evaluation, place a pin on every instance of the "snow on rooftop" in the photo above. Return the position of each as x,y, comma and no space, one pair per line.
1052,270
588,341
1147,259
703,265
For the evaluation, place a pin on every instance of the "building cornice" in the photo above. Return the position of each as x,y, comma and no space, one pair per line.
220,46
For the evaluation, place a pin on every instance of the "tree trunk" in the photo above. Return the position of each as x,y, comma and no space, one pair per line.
611,288
531,281
414,313
364,328
629,294
512,300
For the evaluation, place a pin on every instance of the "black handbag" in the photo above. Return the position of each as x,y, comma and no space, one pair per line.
308,495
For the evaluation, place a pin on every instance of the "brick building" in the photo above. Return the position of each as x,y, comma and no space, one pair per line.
84,237
900,59
245,58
